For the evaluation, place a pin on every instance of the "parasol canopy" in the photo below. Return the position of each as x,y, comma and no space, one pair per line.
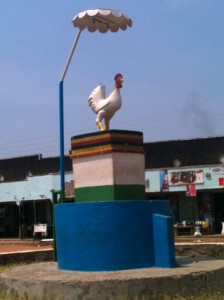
102,20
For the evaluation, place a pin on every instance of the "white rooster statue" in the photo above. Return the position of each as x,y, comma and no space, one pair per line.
105,108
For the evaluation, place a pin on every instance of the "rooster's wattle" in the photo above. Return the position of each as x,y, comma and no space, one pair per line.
105,108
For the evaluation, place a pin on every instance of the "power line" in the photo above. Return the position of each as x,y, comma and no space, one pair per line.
151,125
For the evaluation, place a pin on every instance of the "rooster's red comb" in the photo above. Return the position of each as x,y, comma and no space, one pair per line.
117,75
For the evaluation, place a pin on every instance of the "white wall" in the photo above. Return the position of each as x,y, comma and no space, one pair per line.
33,188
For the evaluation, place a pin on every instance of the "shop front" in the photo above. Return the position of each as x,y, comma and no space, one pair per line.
26,203
18,219
196,196
35,212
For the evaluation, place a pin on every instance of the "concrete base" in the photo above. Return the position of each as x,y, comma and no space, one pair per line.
192,277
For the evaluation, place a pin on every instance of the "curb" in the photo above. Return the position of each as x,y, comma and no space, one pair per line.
26,256
212,250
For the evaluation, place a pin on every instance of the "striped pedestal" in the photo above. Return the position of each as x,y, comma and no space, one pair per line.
108,165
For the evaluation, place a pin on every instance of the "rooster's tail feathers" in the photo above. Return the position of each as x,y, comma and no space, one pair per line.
97,95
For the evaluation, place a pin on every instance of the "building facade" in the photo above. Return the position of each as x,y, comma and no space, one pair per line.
25,193
190,174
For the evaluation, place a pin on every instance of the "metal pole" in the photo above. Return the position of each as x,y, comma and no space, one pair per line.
61,113
62,171
70,56
54,202
34,212
20,229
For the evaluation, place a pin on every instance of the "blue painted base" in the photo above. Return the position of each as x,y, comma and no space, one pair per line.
110,236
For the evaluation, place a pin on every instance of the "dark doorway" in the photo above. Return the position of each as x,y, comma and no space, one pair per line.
36,212
219,211
9,219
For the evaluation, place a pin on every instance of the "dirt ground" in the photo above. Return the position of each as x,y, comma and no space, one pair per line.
215,238
6,248
16,245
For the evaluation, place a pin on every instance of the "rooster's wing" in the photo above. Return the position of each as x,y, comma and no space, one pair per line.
97,98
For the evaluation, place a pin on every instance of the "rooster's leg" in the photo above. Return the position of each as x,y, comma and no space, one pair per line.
99,124
107,125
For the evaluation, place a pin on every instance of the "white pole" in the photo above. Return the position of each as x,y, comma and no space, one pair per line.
70,56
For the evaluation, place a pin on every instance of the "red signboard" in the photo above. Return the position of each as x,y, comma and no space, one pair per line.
190,190
221,181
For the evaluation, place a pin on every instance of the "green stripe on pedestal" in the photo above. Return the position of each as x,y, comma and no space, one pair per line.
110,193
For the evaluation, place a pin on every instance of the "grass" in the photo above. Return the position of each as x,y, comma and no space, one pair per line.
218,296
6,267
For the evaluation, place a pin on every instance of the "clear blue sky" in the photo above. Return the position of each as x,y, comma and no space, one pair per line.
172,60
